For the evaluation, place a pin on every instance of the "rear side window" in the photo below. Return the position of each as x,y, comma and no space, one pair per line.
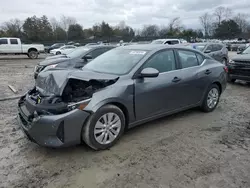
187,58
13,41
172,42
3,41
200,58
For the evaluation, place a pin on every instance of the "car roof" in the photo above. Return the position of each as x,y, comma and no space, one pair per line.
98,46
153,47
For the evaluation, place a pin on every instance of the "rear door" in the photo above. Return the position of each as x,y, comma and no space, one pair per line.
154,96
193,77
14,46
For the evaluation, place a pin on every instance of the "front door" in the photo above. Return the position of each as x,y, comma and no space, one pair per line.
154,96
4,47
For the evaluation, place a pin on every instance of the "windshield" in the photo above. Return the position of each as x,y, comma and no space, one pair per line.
77,53
157,42
116,61
246,51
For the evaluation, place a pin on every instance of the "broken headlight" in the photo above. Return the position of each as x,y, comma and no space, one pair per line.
79,105
50,67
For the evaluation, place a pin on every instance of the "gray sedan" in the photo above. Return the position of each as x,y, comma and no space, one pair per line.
120,89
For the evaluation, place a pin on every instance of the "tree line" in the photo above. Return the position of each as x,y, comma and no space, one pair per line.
221,24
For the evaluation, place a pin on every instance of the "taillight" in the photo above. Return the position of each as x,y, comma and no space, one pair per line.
225,69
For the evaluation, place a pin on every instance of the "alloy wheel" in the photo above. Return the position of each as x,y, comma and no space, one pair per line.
107,128
212,98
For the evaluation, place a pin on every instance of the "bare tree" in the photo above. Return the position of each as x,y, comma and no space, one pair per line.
219,14
222,13
66,21
122,25
174,24
206,23
13,27
150,31
241,20
54,23
228,13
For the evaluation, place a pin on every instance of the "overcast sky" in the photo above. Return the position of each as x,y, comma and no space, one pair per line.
135,13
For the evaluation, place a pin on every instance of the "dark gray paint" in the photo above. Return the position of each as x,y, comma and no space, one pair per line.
144,99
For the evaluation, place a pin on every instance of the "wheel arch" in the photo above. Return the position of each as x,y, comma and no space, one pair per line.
219,85
32,49
116,102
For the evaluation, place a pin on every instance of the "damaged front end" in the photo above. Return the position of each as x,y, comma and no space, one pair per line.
61,91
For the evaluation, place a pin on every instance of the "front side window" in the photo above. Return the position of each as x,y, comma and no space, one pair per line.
187,58
13,41
3,41
95,53
163,61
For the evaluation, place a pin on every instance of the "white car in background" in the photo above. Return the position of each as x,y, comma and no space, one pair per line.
167,41
63,50
15,46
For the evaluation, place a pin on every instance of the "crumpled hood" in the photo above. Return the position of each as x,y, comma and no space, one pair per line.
53,82
241,57
55,57
47,62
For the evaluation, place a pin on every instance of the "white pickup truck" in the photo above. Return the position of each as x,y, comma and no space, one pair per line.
14,46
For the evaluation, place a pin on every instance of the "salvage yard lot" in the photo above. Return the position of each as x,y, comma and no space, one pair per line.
189,149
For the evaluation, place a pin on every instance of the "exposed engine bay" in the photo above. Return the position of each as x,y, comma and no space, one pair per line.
78,90
74,91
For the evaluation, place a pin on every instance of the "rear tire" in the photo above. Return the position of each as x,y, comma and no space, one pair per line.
58,53
211,98
33,54
100,134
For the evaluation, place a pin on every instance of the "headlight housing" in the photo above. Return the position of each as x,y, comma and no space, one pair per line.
50,66
231,61
79,105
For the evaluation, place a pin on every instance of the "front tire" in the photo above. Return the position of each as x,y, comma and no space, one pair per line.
211,98
104,128
58,53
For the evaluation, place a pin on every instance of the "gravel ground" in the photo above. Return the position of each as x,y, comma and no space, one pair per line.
189,149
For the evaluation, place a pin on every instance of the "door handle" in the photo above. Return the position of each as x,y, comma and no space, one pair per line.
208,72
176,79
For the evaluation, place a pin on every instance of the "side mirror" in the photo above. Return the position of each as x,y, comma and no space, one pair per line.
208,51
149,73
239,52
87,57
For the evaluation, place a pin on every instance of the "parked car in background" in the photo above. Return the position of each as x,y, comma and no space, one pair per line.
122,88
76,59
63,50
218,51
91,44
15,46
239,66
166,41
55,46
242,47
